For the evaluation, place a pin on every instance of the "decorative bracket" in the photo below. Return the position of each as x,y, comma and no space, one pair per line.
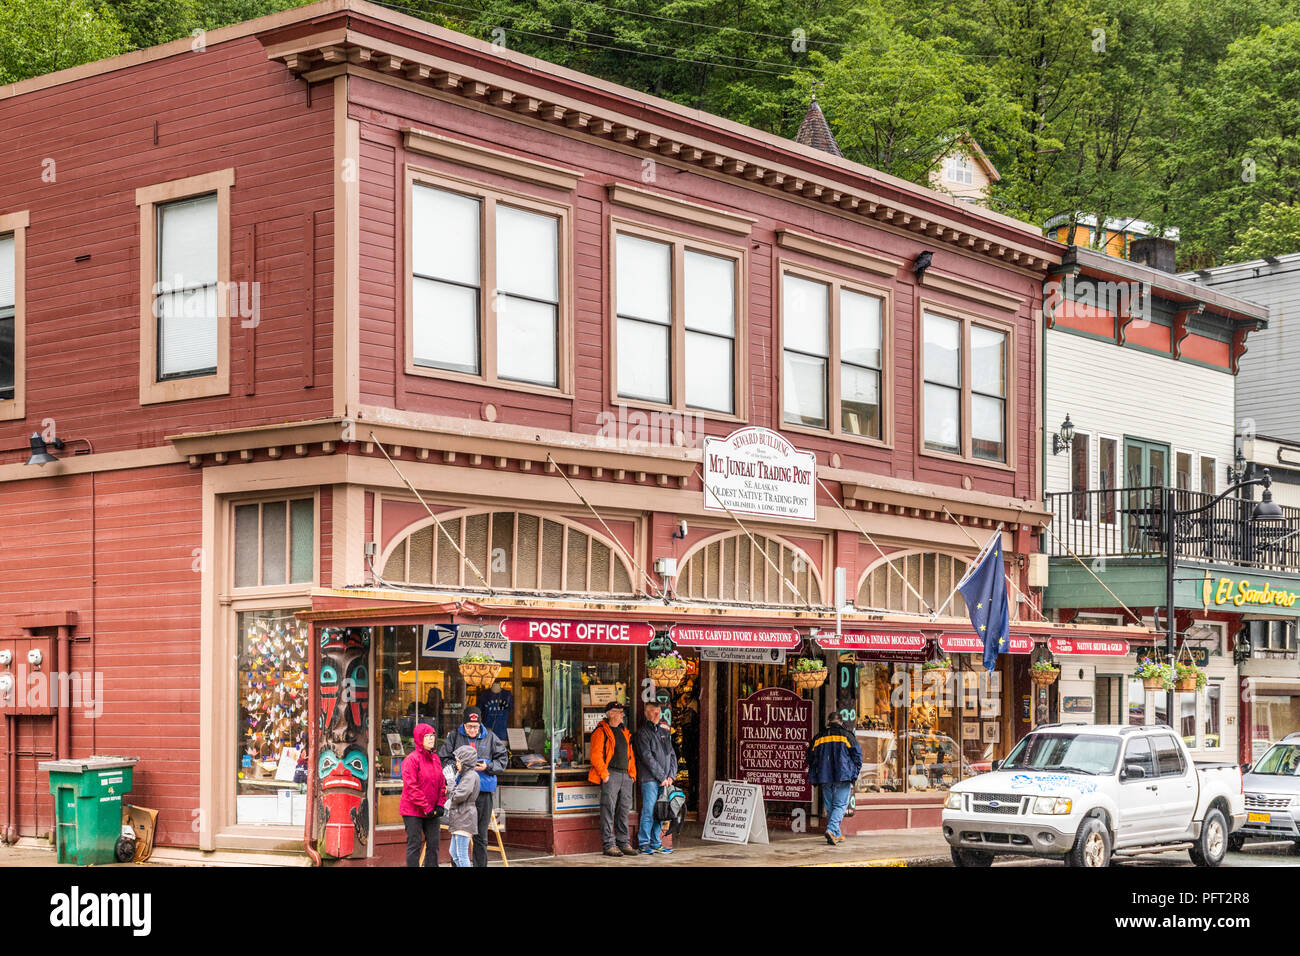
1180,330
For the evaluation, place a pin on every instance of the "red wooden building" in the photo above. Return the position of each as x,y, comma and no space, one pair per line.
252,267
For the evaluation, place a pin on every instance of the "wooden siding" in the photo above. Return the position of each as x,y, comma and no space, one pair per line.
384,110
221,108
139,630
1112,391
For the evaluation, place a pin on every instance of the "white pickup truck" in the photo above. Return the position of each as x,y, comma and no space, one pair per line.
1086,793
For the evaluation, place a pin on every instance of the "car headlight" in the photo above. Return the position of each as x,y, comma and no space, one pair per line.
952,802
1053,805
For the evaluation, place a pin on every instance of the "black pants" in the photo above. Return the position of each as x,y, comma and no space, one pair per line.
484,807
422,830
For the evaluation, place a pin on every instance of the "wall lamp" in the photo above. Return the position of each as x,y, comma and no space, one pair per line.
40,449
1063,439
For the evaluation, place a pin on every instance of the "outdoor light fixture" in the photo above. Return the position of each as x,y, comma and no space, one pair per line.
1237,470
922,263
40,453
1062,439
1267,509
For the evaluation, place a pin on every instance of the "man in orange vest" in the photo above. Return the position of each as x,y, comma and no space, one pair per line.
613,767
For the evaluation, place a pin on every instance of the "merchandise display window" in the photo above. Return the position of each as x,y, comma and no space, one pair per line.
271,732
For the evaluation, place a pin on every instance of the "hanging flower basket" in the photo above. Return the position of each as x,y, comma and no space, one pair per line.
479,670
1153,683
1155,676
1185,684
939,670
666,670
1188,678
1044,677
808,672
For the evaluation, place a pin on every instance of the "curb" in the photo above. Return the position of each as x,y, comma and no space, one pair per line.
893,861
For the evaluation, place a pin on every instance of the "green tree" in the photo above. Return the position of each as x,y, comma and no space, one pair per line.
150,22
41,36
1275,232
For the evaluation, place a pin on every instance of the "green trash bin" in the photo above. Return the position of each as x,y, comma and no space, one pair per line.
88,806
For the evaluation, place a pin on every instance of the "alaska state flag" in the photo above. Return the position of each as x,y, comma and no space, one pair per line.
985,589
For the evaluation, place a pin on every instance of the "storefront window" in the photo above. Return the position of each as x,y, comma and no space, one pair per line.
1274,718
877,726
1161,709
1137,703
271,732
1186,704
1213,717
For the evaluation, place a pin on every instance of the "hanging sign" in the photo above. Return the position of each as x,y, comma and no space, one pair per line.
744,655
773,731
690,636
872,641
754,471
457,640
955,643
736,813
548,631
1112,647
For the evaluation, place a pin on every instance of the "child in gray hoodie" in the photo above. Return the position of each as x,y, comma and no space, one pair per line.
462,817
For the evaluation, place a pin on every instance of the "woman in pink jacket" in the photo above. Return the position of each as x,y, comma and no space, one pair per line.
423,798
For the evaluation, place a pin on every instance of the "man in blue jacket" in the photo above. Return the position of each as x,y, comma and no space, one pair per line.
834,759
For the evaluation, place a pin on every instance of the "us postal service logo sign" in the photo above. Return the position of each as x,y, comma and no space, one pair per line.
754,471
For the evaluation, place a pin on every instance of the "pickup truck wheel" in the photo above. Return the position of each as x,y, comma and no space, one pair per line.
1091,846
1212,846
971,858
1236,841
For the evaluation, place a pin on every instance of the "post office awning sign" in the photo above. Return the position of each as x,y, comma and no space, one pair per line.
754,471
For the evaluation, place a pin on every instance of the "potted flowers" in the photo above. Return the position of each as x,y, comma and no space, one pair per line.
1188,677
479,669
1044,672
808,672
937,670
666,670
1154,676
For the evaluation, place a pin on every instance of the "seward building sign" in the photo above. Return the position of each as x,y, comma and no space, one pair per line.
754,471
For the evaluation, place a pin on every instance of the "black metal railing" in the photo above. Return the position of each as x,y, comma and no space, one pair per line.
1130,522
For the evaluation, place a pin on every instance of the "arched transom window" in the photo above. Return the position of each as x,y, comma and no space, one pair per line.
732,568
932,575
514,550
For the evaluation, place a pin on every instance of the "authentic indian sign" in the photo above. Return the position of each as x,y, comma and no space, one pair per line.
773,731
754,471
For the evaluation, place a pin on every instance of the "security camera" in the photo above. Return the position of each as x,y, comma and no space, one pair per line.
34,657
681,529
6,657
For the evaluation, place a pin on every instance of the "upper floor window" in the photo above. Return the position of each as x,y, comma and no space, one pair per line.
13,233
834,369
8,313
959,169
676,332
488,286
275,543
1079,471
185,291
1207,474
965,388
185,287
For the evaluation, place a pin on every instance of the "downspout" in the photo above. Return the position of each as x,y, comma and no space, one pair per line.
309,822
63,715
10,833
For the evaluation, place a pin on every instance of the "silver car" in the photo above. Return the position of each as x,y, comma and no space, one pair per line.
1272,788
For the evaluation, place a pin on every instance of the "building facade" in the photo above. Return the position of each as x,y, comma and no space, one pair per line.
450,373
1143,365
1268,436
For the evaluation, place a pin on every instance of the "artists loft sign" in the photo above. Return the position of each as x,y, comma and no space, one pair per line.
754,471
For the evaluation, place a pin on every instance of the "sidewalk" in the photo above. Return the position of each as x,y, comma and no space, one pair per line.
879,848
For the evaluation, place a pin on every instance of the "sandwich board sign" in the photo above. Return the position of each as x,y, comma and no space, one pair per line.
736,813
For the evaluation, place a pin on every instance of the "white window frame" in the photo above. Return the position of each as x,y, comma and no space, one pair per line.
15,225
960,169
1116,475
1214,473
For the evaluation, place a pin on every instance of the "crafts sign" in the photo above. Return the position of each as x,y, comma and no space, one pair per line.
773,732
754,471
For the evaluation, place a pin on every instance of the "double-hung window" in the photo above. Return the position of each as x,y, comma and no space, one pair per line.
185,289
488,286
966,395
676,307
833,361
8,315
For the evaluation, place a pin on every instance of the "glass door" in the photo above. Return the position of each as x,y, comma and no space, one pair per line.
1146,467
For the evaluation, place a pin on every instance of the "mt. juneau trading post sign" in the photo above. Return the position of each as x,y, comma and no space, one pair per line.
754,471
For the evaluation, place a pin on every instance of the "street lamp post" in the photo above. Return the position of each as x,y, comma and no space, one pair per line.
1266,510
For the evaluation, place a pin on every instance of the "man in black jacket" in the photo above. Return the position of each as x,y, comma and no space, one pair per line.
492,760
657,766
